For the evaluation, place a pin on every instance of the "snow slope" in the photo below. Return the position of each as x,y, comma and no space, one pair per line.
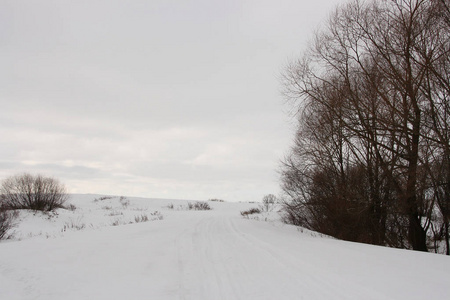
213,254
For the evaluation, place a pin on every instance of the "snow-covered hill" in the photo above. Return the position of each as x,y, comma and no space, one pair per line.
161,250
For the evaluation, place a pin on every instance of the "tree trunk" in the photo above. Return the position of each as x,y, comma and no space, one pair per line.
417,235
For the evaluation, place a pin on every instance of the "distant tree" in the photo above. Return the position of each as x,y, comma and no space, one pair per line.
37,192
268,202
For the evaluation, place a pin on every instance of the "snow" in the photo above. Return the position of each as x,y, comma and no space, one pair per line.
185,254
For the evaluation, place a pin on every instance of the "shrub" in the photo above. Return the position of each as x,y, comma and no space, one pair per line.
74,225
116,222
6,222
115,213
141,218
102,198
251,211
124,201
199,205
33,192
71,207
216,200
156,216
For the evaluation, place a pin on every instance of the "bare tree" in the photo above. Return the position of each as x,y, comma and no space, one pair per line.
268,202
32,192
372,95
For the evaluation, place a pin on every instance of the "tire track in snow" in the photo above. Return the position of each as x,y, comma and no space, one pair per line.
214,259
202,257
226,257
180,264
218,261
180,244
326,287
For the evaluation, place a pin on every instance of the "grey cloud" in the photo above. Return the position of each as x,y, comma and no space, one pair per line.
155,98
58,170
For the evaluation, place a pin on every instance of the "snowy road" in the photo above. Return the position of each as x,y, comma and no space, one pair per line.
218,259
214,255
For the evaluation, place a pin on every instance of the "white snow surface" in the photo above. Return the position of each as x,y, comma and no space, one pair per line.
185,254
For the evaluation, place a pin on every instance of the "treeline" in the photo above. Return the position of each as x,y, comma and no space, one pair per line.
371,158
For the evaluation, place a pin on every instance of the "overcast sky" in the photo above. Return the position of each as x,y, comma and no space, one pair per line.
156,98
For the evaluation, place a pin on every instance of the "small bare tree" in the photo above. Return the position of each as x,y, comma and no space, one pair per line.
26,191
268,202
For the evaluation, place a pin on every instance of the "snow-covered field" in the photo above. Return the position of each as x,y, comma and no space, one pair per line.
175,253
